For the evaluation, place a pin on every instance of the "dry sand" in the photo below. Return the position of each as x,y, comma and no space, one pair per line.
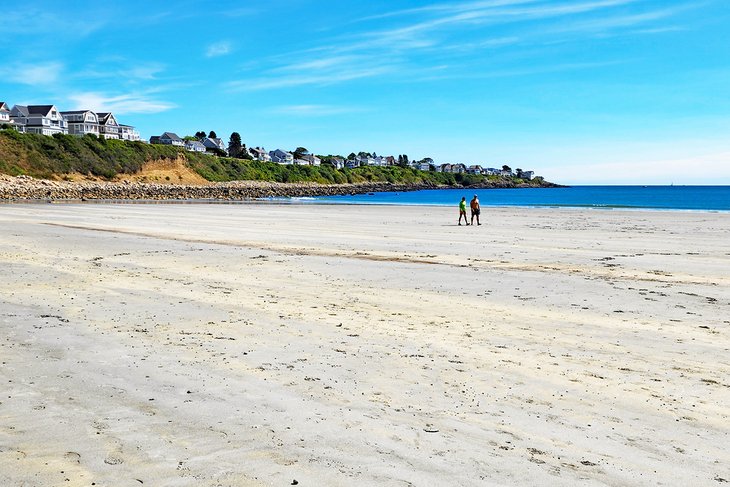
252,344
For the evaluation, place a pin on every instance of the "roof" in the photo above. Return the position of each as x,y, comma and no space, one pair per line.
74,112
4,106
170,135
39,109
21,109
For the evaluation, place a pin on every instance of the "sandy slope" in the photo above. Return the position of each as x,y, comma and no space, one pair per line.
227,345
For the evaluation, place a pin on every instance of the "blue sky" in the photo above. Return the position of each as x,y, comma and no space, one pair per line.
581,91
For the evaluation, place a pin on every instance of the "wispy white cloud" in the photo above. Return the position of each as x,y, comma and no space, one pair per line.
314,110
303,79
121,104
217,49
42,74
417,40
446,7
121,69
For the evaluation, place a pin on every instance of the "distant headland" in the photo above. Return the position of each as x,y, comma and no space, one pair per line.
87,155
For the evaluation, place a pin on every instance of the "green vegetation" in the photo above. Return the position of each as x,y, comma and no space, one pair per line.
43,157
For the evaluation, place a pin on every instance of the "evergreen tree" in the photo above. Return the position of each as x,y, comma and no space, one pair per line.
212,135
200,135
234,145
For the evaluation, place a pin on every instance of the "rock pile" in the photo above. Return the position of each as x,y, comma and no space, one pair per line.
26,188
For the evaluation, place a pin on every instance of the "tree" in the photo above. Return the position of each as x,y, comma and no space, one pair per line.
352,156
506,168
200,135
405,159
245,154
300,152
212,135
191,138
519,172
234,145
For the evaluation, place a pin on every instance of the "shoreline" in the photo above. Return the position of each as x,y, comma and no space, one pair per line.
28,188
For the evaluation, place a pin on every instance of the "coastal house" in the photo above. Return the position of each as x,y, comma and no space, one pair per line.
337,162
458,168
444,168
214,143
424,166
39,119
474,169
281,157
260,154
81,122
194,146
492,171
312,160
108,126
528,175
506,173
352,163
127,132
391,161
365,160
4,113
167,138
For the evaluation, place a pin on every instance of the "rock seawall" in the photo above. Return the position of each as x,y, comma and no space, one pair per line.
25,188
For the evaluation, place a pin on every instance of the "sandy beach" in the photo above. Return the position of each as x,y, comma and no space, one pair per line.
262,344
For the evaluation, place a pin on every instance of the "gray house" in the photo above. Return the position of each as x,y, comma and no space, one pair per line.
167,138
281,157
81,122
108,126
39,119
214,144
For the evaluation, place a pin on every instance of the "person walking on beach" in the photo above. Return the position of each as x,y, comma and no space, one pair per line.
462,210
475,210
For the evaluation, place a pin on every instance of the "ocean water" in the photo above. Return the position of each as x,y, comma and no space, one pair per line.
715,198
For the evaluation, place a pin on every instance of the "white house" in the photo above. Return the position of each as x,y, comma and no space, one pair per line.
281,157
81,122
424,166
337,162
260,154
475,169
365,160
492,171
127,132
4,113
352,163
108,126
458,168
528,175
39,119
194,146
507,173
444,168
312,160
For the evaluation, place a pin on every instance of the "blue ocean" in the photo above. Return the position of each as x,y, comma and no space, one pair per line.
713,198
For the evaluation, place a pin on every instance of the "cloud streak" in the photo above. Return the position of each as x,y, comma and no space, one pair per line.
38,75
128,103
218,49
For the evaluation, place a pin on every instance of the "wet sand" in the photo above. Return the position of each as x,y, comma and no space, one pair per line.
236,345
